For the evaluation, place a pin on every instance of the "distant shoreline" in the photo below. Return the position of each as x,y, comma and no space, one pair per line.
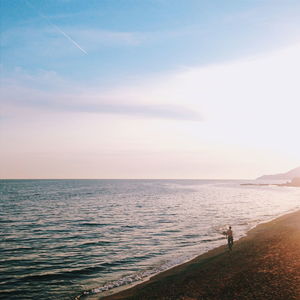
294,183
263,265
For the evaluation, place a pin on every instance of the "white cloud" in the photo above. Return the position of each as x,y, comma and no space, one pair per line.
250,109
260,87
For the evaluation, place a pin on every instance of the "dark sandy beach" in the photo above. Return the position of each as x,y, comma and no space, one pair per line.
263,265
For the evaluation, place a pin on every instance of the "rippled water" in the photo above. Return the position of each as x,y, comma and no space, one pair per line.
63,239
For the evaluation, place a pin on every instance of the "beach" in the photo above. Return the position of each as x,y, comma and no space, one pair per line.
263,265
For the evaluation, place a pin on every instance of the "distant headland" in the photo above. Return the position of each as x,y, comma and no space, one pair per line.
282,176
292,175
295,182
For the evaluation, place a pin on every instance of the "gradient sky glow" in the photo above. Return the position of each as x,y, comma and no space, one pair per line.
149,89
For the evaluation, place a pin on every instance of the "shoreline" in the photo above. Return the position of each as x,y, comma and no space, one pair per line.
158,286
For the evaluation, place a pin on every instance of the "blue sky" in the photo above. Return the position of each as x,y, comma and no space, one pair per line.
127,38
122,61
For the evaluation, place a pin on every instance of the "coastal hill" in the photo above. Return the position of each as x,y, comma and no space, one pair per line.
282,176
294,182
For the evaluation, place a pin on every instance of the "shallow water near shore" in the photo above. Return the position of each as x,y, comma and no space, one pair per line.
67,239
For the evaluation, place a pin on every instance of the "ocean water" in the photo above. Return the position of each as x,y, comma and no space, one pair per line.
75,239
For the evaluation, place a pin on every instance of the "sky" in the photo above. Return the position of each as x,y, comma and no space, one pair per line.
149,88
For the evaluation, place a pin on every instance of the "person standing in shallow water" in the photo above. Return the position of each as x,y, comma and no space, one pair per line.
229,235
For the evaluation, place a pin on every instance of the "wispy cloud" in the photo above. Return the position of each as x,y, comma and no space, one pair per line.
97,37
250,108
37,93
245,91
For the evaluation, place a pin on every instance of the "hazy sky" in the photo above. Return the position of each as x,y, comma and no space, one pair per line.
149,88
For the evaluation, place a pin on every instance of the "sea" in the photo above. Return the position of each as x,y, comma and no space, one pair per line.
82,239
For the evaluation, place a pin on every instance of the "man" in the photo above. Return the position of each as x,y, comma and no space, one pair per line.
229,235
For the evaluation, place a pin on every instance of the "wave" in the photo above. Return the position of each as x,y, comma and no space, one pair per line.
92,224
56,276
98,243
136,277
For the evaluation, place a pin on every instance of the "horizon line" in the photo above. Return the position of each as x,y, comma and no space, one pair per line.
127,179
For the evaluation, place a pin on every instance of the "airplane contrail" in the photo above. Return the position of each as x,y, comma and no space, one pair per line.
69,38
56,27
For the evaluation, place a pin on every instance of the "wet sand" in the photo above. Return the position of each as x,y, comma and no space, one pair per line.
263,265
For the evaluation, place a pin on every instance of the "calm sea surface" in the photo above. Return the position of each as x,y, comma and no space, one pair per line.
67,239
